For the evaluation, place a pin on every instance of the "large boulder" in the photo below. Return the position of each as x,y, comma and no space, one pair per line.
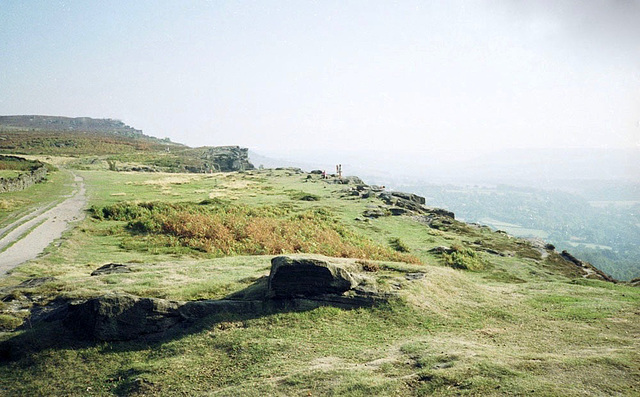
407,201
410,197
404,203
303,277
346,180
441,212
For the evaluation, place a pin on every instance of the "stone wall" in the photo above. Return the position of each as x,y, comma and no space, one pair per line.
23,180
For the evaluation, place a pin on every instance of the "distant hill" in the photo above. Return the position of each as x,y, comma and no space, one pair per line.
125,147
55,135
58,123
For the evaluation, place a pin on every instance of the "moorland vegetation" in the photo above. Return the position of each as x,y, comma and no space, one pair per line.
473,311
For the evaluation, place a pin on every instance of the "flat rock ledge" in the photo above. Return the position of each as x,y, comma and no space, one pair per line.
295,283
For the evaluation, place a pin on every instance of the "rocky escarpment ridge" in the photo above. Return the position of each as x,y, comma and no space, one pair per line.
28,178
221,159
391,203
589,270
394,203
200,160
409,204
294,283
58,123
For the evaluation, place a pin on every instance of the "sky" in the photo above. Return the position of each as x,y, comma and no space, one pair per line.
407,78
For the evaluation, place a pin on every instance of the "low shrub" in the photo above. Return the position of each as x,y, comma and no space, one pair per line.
302,196
463,258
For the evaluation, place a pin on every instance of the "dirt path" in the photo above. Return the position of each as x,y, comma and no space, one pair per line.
32,233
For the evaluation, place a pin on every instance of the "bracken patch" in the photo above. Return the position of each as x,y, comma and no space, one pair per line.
223,229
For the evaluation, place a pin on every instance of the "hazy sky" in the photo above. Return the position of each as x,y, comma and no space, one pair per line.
279,76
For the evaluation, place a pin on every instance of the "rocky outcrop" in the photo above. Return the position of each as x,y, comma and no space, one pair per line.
363,190
58,123
111,268
409,197
121,317
407,201
589,270
225,158
347,180
441,250
307,277
396,203
294,283
376,212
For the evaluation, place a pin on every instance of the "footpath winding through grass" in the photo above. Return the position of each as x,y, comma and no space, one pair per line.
27,240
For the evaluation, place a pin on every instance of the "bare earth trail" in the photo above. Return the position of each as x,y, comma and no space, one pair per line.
32,233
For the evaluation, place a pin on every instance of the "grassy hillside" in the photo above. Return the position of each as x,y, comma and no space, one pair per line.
73,136
494,315
93,142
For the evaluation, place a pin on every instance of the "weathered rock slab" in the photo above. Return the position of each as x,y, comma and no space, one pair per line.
307,277
111,268
121,316
295,283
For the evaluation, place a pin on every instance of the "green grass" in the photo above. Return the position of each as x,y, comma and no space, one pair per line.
8,174
16,204
519,324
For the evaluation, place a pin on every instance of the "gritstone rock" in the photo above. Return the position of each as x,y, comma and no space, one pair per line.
410,197
307,277
121,317
441,250
111,268
295,283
